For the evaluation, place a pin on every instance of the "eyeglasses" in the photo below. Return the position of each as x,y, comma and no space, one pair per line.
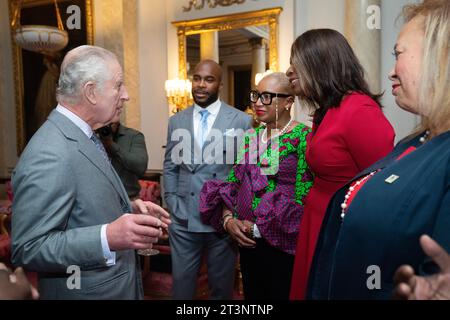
266,97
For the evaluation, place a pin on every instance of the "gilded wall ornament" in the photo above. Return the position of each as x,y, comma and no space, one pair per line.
198,5
268,17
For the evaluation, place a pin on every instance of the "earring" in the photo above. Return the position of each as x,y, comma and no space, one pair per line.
255,119
288,107
276,114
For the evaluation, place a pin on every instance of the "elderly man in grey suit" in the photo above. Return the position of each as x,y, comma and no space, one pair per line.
73,222
205,154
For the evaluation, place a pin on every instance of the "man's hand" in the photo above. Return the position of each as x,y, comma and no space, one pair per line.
148,207
15,285
435,287
134,231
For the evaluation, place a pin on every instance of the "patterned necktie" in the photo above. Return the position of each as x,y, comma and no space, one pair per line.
100,147
203,126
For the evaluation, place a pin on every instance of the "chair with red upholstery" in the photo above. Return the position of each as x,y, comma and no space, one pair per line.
5,240
157,277
150,191
5,227
5,223
9,191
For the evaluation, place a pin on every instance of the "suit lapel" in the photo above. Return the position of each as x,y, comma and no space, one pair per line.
126,204
223,121
89,150
187,122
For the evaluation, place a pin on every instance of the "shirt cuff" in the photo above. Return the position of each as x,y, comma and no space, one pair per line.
110,256
256,233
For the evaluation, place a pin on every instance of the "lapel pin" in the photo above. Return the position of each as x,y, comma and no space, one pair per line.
391,179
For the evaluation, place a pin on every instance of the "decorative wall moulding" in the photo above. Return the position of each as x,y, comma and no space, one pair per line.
200,4
268,17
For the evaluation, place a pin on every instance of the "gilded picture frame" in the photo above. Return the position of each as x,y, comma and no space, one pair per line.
267,17
23,119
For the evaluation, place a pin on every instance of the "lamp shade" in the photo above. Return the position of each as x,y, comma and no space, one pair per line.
41,39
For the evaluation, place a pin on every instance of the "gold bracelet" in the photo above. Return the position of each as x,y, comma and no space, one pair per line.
226,219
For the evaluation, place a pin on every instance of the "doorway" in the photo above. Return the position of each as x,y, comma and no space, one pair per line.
239,86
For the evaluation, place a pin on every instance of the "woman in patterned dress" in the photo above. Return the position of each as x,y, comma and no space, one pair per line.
261,203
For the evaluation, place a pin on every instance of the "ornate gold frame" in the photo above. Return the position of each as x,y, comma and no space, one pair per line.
18,68
228,22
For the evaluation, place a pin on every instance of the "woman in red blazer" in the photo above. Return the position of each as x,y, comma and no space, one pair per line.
350,131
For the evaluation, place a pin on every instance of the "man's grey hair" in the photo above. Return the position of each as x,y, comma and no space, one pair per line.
81,65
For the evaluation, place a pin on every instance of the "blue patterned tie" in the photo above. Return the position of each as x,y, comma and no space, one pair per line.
203,126
100,147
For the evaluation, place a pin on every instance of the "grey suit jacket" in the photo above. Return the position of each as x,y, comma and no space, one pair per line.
64,191
184,177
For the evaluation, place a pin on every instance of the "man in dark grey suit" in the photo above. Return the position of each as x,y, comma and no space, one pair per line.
207,131
71,214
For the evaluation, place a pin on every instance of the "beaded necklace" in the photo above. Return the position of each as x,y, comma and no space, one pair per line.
282,131
352,188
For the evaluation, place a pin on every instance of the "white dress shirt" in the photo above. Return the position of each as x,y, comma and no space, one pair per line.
213,110
110,256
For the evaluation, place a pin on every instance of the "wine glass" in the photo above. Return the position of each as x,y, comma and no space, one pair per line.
148,252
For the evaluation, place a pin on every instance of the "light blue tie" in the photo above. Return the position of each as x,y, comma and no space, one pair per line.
203,126
100,147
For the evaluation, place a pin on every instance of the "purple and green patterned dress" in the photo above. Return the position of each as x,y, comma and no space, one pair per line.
269,189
